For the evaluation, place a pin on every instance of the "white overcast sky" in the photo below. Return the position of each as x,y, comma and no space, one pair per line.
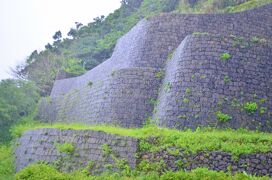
27,25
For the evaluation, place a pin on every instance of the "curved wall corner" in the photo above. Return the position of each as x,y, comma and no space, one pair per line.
200,85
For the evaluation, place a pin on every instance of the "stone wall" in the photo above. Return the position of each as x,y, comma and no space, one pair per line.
254,164
199,84
101,149
141,56
41,145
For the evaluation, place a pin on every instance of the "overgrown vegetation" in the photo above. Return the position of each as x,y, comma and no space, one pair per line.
44,171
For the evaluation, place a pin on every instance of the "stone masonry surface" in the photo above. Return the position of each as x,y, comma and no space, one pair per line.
124,89
41,145
198,84
254,164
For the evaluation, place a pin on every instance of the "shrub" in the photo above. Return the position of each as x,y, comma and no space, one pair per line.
223,117
67,148
225,56
251,107
6,162
106,149
40,171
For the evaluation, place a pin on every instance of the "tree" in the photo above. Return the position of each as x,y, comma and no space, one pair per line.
18,98
74,66
131,4
57,36
78,25
73,33
98,20
48,46
32,57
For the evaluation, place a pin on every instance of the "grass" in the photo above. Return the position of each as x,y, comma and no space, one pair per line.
47,172
247,5
236,142
213,6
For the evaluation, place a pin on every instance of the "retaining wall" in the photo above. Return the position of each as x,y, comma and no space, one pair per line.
41,145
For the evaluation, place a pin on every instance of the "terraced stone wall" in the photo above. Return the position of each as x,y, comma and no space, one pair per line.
99,152
123,86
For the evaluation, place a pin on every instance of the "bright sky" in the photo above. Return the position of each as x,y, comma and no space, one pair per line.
27,25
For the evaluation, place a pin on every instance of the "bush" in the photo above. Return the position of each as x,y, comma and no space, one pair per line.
40,171
6,163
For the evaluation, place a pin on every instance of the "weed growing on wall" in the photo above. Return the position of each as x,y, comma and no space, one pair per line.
225,56
251,107
160,74
67,148
223,117
226,79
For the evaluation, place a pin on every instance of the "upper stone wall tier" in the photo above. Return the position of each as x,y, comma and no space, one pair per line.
217,81
139,59
86,147
150,41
